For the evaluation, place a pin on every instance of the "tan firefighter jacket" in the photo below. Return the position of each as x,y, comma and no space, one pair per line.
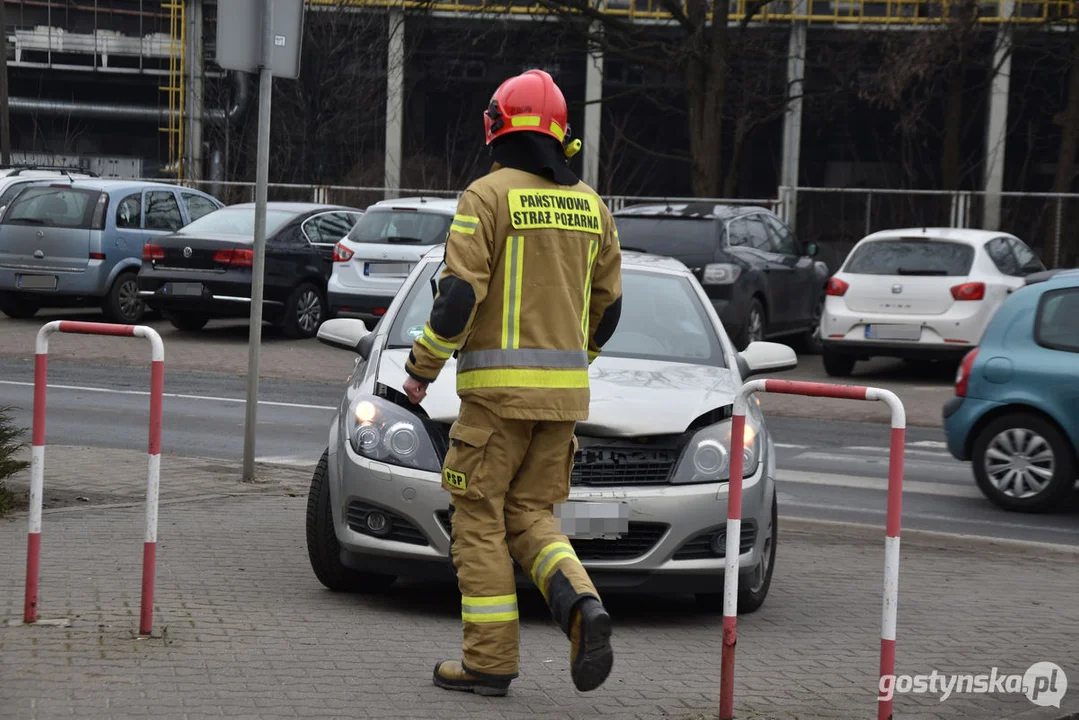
531,290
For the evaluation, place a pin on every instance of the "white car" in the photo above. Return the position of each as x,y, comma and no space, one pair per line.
373,260
919,294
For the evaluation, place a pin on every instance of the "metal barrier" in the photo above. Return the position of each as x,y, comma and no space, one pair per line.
734,524
37,462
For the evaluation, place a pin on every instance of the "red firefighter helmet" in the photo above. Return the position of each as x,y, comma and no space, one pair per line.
527,102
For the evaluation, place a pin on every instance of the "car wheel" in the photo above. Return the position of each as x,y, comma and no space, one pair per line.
752,588
188,322
1023,463
304,312
756,324
324,550
810,341
19,307
838,365
122,303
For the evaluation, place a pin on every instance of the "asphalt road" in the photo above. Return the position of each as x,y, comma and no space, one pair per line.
828,469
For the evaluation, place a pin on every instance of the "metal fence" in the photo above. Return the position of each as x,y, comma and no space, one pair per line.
834,218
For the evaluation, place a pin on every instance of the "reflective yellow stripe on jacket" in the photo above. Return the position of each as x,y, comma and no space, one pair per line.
511,298
465,224
492,609
436,343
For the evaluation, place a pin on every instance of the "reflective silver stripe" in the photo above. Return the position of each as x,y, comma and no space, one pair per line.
465,221
488,609
438,344
511,310
481,359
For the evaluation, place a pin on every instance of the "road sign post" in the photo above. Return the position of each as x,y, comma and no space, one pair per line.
262,35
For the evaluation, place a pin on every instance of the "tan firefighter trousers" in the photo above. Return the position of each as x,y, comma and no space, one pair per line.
505,476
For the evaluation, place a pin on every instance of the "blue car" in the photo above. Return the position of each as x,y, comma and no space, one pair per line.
1015,414
76,242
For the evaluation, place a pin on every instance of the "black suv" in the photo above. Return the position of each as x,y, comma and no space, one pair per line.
763,282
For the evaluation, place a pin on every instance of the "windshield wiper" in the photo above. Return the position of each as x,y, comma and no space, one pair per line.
28,220
397,239
916,271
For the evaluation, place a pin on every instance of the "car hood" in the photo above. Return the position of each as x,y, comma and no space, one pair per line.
629,397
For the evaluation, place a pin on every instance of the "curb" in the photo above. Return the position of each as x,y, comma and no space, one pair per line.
928,538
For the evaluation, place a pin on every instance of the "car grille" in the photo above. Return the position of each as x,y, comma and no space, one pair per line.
400,530
699,547
641,538
623,465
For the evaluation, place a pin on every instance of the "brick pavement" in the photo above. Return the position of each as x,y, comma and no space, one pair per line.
243,629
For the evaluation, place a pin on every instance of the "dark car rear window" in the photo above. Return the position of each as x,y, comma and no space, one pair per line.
49,206
911,257
666,235
401,226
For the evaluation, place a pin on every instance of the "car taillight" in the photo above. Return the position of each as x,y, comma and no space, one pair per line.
235,258
969,291
837,288
962,377
151,252
341,253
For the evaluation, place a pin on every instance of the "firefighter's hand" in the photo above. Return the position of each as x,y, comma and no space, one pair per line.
415,390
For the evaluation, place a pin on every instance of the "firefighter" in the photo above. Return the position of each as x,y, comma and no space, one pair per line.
531,291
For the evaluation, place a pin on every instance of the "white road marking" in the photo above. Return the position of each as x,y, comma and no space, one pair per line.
788,446
113,391
918,487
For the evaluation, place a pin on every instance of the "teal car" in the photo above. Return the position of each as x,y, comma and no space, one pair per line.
1015,414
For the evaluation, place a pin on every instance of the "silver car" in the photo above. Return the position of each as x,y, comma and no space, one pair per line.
657,440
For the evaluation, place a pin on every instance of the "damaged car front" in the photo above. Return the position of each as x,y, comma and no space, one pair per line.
654,452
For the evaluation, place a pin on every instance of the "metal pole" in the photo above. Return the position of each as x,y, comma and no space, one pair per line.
5,116
262,171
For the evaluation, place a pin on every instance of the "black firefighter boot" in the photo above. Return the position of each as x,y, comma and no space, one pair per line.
588,626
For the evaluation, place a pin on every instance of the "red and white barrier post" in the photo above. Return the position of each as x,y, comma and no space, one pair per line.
37,460
734,523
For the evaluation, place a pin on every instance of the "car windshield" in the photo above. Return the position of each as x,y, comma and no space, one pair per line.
662,319
237,221
401,226
911,257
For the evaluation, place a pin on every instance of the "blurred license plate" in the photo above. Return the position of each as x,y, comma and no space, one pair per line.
592,520
38,282
402,269
893,332
185,289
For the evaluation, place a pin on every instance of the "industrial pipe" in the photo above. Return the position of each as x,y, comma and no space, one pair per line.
99,110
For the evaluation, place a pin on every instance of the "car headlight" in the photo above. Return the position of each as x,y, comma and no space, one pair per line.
380,430
707,457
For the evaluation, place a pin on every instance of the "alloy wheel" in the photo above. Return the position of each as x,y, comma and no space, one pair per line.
1019,463
130,303
309,311
755,331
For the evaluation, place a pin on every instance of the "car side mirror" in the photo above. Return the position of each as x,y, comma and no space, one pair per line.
812,249
347,334
763,357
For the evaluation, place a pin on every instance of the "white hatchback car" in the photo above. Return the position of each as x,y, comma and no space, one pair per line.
373,260
925,293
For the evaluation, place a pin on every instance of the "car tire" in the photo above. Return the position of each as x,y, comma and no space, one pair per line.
838,365
810,340
305,310
18,307
756,325
1037,443
750,597
324,550
122,303
189,322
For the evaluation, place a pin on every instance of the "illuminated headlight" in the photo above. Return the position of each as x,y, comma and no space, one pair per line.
707,457
380,430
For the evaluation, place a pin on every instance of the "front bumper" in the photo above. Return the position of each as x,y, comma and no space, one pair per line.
668,547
